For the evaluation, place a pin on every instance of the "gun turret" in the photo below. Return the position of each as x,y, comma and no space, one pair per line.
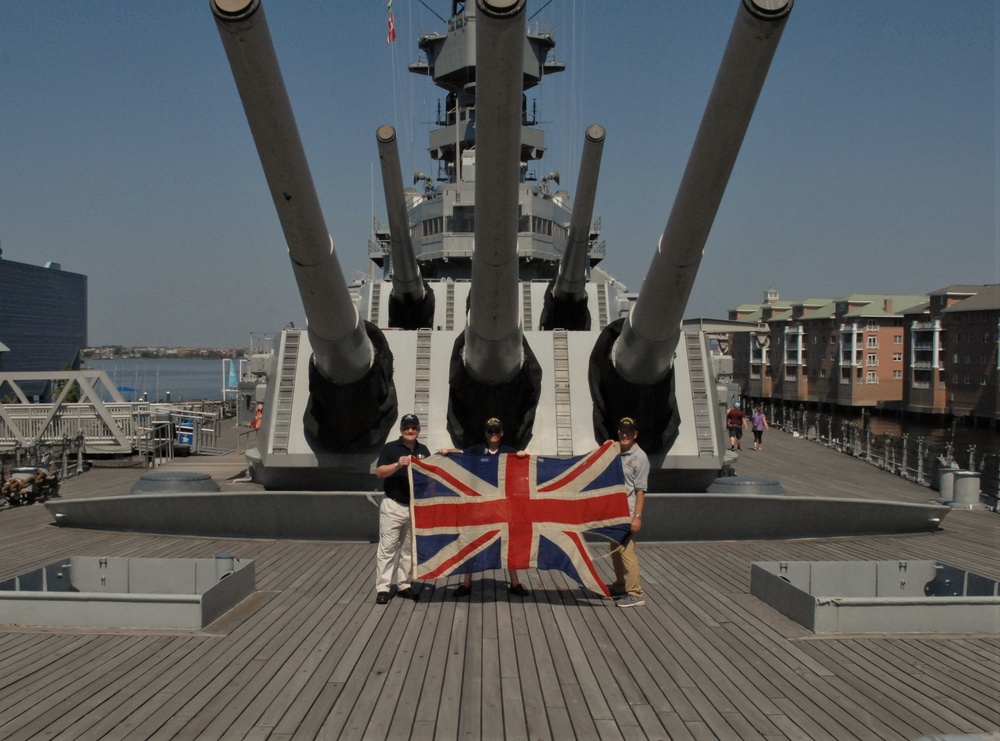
643,353
411,305
566,303
346,364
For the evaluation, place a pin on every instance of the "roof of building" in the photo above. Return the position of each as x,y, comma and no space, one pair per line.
986,299
874,305
958,289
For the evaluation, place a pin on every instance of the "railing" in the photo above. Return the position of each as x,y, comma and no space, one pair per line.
116,428
66,453
155,444
913,458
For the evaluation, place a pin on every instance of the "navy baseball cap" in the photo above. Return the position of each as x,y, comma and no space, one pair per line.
627,423
409,419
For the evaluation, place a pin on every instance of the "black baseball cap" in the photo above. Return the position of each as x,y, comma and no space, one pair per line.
409,419
628,424
495,423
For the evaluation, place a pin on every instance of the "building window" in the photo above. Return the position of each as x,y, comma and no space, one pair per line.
872,377
968,380
897,339
897,374
872,359
873,342
897,357
833,339
954,378
983,380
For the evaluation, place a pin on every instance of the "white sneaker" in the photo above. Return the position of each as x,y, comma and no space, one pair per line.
630,600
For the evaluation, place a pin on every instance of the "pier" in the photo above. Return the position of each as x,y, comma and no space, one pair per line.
310,654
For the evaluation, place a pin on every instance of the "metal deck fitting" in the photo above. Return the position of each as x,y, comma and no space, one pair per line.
878,596
98,592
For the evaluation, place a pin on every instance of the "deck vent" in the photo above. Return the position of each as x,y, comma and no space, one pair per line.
878,596
155,593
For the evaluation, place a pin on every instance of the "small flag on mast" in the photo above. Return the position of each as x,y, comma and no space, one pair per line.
391,35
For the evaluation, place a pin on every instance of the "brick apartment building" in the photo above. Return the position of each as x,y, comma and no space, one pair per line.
952,353
934,354
846,351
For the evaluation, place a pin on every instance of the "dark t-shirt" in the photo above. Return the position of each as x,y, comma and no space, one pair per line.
397,486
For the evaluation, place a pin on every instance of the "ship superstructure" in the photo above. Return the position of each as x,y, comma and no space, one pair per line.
490,302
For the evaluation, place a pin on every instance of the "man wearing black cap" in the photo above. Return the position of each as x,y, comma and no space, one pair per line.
492,446
394,548
627,589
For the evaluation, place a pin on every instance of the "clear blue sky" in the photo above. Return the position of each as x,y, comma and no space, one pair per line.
871,164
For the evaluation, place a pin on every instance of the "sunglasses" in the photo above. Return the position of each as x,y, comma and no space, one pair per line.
493,431
411,427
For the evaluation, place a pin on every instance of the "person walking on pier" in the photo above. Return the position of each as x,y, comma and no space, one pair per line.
493,445
736,420
395,554
627,588
758,425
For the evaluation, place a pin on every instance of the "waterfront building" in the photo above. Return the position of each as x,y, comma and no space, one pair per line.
43,319
952,353
847,351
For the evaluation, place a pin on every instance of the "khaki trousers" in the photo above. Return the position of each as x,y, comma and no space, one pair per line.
394,556
626,566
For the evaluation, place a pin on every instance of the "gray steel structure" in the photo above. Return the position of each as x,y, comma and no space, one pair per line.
43,320
490,274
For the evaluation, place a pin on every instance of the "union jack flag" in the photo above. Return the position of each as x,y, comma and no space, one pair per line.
477,513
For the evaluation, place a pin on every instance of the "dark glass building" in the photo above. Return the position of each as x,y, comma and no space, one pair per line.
43,319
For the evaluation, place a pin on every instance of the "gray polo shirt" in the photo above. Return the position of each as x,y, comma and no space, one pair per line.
636,467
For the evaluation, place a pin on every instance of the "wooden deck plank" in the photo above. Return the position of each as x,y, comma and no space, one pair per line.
354,673
962,698
703,659
281,660
214,676
126,707
444,707
468,704
404,714
84,709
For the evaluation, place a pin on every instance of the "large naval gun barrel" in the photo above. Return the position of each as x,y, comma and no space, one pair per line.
411,303
493,371
566,303
345,363
643,354
493,336
652,329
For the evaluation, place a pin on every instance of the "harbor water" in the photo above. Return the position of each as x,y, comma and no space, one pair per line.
184,379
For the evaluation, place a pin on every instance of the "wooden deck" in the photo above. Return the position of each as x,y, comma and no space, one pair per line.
312,656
